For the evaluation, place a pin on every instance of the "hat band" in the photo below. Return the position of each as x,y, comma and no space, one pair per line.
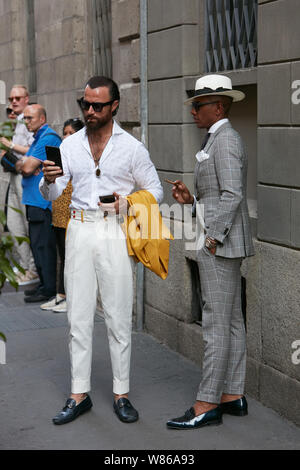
210,90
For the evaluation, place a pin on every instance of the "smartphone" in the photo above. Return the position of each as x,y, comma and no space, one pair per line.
53,154
107,199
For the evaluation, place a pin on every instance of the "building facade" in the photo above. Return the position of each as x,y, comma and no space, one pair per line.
55,46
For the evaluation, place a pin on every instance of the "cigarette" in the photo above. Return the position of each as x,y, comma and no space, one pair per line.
170,182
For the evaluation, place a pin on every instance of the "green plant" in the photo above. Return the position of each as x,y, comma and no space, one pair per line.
7,260
7,129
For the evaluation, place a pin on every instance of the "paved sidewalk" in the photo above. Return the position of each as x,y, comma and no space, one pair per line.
34,385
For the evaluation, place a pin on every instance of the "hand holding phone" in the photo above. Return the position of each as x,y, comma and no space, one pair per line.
53,154
107,199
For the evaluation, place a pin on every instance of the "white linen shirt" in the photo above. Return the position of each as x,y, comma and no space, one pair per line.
22,136
125,166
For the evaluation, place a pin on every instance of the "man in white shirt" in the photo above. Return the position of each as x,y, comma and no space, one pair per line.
16,221
101,159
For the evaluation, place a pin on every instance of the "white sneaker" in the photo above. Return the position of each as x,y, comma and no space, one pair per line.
28,278
60,307
50,304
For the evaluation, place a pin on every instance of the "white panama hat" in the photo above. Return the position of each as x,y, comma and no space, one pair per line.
215,84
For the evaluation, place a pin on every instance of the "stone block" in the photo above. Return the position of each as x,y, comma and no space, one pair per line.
6,28
277,157
280,299
130,103
45,78
166,102
6,54
170,13
274,214
176,56
64,72
295,93
295,218
163,327
47,13
135,60
125,19
278,28
280,392
274,94
49,43
173,147
122,54
73,36
175,292
6,6
81,73
74,8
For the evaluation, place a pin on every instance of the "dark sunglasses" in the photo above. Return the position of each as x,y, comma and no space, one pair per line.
17,98
97,107
9,111
196,105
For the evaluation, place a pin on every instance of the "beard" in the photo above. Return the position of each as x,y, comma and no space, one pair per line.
94,125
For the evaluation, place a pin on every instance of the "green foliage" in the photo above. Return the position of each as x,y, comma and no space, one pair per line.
7,129
6,255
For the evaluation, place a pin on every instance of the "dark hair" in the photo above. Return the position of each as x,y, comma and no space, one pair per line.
100,81
75,123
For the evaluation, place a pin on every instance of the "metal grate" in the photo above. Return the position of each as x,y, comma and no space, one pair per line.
102,37
231,34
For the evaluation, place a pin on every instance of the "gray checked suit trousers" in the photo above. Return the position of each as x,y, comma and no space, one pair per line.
224,336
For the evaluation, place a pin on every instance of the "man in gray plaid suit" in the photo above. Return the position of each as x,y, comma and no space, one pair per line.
220,185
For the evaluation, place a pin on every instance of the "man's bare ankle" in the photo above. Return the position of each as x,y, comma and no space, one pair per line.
78,397
226,397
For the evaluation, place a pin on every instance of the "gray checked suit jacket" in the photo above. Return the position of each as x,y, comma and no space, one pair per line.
221,185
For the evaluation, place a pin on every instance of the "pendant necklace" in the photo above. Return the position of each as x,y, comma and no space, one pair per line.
96,160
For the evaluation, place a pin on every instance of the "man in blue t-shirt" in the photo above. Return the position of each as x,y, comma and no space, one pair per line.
38,210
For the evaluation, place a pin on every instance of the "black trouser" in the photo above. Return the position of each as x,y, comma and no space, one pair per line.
43,247
60,234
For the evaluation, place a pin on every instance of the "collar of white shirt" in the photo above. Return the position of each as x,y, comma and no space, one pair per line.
115,130
216,125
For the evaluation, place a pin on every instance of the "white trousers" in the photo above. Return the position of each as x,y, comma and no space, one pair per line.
97,257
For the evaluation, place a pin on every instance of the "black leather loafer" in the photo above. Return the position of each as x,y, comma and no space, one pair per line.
71,411
125,411
190,421
237,407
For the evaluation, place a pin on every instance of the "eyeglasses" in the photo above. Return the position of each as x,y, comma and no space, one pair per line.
97,107
28,118
196,105
17,98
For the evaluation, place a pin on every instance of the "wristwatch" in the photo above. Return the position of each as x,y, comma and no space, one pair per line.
210,243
